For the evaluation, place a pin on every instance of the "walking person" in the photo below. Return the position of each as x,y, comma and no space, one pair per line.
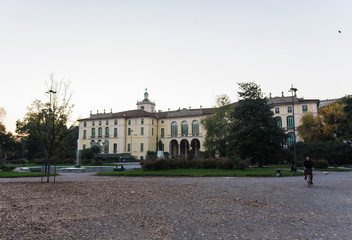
308,168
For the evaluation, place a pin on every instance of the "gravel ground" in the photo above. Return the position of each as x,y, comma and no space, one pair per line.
83,206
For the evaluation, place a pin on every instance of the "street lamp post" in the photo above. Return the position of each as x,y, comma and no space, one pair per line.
294,90
50,92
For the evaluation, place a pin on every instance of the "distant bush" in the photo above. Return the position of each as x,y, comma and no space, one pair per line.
205,163
321,163
209,163
243,164
227,163
158,164
96,162
7,167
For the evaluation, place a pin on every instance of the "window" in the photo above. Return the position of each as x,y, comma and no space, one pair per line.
290,139
142,130
195,128
115,122
142,147
277,110
142,121
93,123
128,147
107,122
184,128
162,121
304,108
84,147
142,107
115,147
115,132
129,131
135,121
152,131
289,109
92,143
100,132
106,132
93,133
278,122
84,124
162,132
152,122
106,147
99,123
84,134
129,122
290,122
174,129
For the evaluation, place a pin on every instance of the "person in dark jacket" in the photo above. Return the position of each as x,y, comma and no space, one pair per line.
308,168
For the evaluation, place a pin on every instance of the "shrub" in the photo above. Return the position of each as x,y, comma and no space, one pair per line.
243,164
151,155
96,162
226,163
158,164
209,163
7,167
321,163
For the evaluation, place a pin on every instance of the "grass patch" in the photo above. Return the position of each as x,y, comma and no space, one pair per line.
250,172
21,174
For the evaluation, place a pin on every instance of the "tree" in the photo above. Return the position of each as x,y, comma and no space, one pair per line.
335,121
347,109
254,132
217,127
312,128
46,123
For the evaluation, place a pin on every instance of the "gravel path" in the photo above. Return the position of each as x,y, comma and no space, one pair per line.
83,206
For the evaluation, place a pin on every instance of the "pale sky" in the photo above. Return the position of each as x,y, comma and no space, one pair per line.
185,52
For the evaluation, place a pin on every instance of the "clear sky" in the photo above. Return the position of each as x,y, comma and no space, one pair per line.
185,52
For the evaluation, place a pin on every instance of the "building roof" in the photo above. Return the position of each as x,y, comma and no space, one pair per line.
138,113
181,113
275,101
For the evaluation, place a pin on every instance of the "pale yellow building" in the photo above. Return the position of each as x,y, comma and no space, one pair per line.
177,132
283,112
139,131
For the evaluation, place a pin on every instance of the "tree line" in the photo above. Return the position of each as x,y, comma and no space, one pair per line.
244,130
44,133
247,130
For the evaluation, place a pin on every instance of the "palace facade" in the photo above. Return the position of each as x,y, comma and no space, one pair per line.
176,132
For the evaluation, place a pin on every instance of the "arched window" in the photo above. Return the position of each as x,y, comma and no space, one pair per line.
100,132
195,128
173,129
106,132
106,147
279,122
92,143
184,128
290,139
100,145
290,122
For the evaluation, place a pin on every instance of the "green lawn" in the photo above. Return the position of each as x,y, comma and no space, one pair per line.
20,174
250,172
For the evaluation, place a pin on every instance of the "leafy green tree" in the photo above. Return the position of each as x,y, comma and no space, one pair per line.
46,123
217,127
347,109
254,133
